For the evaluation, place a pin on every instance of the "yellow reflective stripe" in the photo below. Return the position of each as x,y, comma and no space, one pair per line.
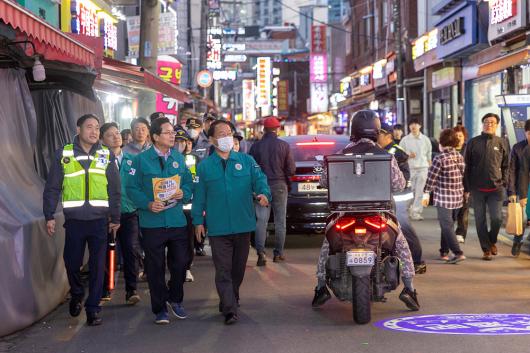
69,204
96,171
78,173
99,203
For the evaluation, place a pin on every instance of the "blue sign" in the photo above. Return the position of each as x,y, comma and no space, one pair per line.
457,32
461,324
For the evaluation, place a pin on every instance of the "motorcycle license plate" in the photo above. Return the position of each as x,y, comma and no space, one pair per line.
360,258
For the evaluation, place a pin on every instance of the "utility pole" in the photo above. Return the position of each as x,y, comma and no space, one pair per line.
149,23
400,101
189,50
203,39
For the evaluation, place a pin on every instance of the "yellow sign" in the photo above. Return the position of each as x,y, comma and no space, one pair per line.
164,190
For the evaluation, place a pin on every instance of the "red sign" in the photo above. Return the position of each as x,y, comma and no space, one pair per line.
318,39
170,71
88,21
283,97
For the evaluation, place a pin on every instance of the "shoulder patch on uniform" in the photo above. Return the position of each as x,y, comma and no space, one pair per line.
239,166
132,171
129,162
175,165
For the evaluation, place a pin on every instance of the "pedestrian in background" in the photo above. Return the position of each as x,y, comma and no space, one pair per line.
127,235
419,148
85,173
446,181
275,159
162,222
404,198
518,179
237,142
140,136
397,133
462,219
126,137
227,183
201,145
485,178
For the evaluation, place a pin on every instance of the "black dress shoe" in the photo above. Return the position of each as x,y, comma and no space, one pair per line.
200,252
516,248
93,319
75,307
231,319
322,295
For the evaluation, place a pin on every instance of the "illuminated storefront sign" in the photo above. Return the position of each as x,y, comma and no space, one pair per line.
264,71
213,57
506,16
249,103
225,75
424,44
170,70
501,10
318,68
319,97
283,97
167,34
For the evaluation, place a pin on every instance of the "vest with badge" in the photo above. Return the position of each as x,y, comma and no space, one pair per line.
76,178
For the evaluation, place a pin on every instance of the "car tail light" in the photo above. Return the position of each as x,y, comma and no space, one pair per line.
377,223
315,143
344,223
304,178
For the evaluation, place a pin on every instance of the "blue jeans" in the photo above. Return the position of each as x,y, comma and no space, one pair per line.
447,218
279,207
493,201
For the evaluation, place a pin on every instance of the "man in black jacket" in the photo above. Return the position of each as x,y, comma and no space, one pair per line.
86,175
518,179
275,159
485,178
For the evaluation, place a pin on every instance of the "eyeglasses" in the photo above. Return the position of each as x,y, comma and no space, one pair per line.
168,133
489,122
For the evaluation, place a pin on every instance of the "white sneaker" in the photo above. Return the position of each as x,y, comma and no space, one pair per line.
189,276
416,217
460,239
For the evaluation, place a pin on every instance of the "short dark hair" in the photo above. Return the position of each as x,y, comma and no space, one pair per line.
462,129
527,125
105,127
491,115
156,127
448,138
211,130
84,118
139,120
414,121
398,127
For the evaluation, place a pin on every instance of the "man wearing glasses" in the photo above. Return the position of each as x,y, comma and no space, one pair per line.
485,178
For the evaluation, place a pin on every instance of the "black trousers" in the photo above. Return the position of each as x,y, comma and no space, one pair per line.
155,241
78,235
492,202
462,220
129,243
230,254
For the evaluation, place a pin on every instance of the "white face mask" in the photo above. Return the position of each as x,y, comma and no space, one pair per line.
225,144
193,133
181,147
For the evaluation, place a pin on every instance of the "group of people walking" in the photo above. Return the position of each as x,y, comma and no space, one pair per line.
142,190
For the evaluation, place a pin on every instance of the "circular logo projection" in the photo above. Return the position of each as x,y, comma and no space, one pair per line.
461,324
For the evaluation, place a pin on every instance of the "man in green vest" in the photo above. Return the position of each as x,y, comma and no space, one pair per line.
228,183
160,184
85,173
127,235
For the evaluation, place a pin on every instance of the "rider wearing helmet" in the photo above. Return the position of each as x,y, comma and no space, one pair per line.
364,130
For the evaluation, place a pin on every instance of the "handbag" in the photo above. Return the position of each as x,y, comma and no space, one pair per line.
514,221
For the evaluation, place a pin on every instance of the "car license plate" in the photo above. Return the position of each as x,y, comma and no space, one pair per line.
360,258
308,187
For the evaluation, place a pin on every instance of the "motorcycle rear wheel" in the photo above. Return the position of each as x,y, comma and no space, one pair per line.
361,303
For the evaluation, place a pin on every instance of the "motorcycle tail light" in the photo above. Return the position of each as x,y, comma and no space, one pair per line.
376,223
344,223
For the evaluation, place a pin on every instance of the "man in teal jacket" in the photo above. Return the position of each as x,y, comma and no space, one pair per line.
227,183
127,235
162,220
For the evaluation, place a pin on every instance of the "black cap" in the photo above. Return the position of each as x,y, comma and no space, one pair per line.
386,129
209,117
193,123
181,134
238,136
155,116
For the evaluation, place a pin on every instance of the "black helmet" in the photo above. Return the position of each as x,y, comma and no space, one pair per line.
364,124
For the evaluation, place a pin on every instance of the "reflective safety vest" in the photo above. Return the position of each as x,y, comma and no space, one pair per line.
75,178
191,163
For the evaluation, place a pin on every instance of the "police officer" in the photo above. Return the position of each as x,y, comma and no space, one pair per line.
127,235
85,173
183,145
227,183
200,145
404,198
365,127
162,222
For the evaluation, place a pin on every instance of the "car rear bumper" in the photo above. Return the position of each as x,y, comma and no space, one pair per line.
307,214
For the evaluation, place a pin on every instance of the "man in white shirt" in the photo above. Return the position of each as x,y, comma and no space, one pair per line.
419,148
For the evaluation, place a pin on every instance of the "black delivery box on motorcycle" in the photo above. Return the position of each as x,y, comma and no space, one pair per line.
359,179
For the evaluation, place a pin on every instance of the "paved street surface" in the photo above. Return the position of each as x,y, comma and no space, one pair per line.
276,315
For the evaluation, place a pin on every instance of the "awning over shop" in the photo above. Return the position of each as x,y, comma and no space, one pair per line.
133,76
49,41
517,57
